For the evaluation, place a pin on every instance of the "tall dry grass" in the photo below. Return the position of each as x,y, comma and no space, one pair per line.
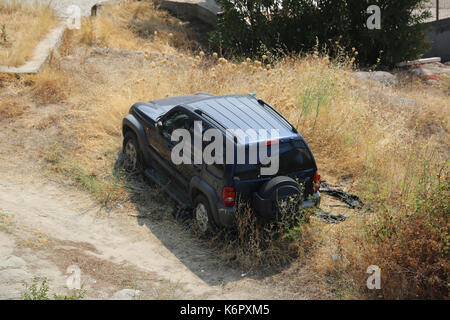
137,26
377,140
23,25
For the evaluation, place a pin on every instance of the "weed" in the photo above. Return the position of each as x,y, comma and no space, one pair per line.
39,289
255,244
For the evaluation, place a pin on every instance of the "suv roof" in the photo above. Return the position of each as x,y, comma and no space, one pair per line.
234,112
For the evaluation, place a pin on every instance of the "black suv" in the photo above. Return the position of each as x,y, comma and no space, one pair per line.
212,190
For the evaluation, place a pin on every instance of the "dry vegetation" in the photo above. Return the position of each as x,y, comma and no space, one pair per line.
389,145
22,26
137,26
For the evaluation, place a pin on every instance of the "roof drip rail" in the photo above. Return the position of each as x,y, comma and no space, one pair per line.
274,111
211,119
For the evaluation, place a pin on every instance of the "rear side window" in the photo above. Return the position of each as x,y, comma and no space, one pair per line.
297,159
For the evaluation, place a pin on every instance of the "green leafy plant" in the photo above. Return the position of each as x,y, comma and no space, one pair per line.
297,25
38,290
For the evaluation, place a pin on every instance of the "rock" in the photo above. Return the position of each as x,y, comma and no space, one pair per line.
126,294
12,262
385,78
430,71
14,275
204,10
419,61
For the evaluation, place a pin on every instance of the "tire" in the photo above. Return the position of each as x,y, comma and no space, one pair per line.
203,215
268,188
132,151
281,202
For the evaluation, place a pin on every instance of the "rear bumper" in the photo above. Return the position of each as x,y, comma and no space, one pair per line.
263,207
226,215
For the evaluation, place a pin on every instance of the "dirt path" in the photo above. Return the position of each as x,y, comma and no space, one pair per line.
47,226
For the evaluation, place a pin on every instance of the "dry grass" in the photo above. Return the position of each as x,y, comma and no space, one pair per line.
12,109
375,139
256,246
23,26
50,87
137,26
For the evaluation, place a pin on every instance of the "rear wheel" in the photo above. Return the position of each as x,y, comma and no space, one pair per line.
133,161
203,215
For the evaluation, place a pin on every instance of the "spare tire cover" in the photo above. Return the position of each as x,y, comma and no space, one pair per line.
279,187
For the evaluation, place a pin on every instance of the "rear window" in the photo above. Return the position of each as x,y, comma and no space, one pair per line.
292,159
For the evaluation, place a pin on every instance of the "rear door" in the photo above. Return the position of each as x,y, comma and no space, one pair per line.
295,161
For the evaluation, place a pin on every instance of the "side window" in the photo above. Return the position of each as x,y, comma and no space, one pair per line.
191,130
177,120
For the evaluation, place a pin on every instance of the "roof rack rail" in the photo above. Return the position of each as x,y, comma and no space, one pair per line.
276,113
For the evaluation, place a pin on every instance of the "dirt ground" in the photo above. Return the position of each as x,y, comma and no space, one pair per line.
46,225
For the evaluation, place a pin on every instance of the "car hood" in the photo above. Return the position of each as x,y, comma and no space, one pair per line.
155,108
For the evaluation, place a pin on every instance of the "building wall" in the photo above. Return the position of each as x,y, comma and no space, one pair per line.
439,36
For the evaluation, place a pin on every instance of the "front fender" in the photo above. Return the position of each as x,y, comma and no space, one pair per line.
130,122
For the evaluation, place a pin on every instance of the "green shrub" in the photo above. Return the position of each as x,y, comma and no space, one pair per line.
38,290
300,25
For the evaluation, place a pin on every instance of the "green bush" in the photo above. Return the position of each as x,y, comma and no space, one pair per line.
38,290
303,25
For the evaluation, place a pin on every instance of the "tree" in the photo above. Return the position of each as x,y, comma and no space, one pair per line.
300,25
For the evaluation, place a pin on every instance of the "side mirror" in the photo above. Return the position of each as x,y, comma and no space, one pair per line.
158,124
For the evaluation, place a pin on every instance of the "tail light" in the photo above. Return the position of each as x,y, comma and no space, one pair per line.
228,196
316,182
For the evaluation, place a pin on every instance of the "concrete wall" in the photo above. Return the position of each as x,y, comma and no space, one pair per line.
439,36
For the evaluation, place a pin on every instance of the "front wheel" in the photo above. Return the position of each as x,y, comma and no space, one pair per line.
132,152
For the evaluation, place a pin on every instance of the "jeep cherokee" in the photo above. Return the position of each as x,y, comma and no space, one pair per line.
212,190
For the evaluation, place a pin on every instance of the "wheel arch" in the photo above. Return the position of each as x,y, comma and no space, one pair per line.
130,123
199,187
